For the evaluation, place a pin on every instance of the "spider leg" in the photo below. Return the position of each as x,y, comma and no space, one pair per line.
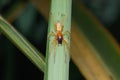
66,33
55,26
50,48
51,34
66,45
53,45
64,17
52,17
63,20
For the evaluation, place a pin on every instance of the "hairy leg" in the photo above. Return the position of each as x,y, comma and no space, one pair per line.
66,33
55,43
66,48
53,47
51,34
63,19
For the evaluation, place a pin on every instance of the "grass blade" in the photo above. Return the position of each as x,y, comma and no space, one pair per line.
25,46
57,61
99,40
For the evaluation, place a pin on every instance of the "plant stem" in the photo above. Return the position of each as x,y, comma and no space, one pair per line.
58,49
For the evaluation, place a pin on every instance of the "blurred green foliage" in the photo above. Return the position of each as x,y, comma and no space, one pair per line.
107,11
15,66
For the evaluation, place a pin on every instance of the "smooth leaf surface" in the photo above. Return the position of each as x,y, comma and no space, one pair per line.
57,60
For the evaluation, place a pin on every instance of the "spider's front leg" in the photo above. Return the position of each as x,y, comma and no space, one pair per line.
66,33
63,19
51,34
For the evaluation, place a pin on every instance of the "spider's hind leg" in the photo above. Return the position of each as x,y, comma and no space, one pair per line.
53,46
55,43
66,48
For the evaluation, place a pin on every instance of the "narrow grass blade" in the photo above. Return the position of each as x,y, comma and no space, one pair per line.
25,46
57,61
99,40
85,59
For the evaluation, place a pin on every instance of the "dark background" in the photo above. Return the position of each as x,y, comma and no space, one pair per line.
15,66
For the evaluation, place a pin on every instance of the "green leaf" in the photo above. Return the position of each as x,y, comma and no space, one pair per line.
25,46
57,60
100,41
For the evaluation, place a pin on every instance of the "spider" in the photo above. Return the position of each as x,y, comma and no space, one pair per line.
58,36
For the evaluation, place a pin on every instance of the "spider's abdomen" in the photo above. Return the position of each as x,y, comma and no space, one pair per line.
59,38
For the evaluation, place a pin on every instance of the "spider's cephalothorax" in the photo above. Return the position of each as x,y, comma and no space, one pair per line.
58,37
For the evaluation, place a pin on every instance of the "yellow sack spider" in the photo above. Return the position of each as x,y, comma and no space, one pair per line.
58,36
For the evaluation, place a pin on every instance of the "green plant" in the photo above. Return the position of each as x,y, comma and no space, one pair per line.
57,60
87,48
25,46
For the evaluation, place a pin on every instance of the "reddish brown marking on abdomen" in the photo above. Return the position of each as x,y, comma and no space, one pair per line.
59,37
